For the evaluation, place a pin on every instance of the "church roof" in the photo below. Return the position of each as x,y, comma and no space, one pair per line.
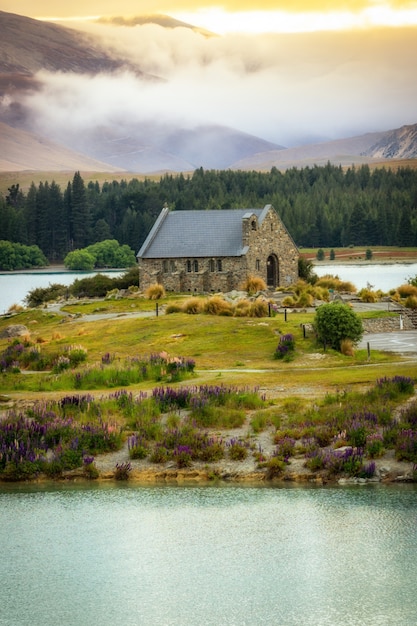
178,234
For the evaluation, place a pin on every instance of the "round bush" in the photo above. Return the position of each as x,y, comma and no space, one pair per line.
336,321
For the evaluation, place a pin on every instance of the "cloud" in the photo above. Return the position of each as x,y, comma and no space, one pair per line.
284,88
135,7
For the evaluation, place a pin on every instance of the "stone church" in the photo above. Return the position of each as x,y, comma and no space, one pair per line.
215,251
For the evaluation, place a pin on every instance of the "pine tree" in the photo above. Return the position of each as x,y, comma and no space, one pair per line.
79,213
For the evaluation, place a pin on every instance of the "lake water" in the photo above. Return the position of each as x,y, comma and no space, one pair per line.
380,276
201,556
15,286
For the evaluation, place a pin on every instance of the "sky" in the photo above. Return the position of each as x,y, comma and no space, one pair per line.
289,72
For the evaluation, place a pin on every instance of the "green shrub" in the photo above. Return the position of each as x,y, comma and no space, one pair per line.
237,451
40,295
259,421
122,471
336,321
79,260
275,467
92,287
90,469
209,416
159,455
374,446
306,270
130,278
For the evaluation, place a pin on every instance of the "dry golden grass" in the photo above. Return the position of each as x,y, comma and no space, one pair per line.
216,305
155,292
15,308
242,308
333,282
411,302
253,284
407,290
259,308
192,306
346,347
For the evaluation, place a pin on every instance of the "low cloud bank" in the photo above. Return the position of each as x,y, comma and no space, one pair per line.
287,89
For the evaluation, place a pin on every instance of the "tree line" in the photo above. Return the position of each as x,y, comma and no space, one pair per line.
321,206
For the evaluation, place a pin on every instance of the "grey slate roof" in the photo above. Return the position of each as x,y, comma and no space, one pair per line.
177,234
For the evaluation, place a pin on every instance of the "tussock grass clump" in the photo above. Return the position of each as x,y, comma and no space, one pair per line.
305,299
155,292
262,419
407,290
173,308
193,306
411,302
216,305
320,293
289,302
253,284
242,308
346,347
15,308
334,282
259,308
366,295
210,416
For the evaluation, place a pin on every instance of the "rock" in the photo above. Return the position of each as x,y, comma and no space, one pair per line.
14,330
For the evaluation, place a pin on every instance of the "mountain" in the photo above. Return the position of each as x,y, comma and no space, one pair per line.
122,142
156,147
396,144
20,150
29,45
371,147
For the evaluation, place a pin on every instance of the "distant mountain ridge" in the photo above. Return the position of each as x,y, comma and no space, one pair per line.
400,143
28,45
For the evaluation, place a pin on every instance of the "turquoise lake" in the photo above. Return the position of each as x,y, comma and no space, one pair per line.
201,555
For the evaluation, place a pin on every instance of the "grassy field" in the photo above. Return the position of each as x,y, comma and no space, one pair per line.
358,253
238,351
25,178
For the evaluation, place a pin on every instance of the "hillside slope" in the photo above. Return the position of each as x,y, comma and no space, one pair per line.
21,150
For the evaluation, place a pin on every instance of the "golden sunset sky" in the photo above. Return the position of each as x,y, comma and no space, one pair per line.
291,71
236,15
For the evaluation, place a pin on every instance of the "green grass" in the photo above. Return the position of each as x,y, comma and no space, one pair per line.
225,349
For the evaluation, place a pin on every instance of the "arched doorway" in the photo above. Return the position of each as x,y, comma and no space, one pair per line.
272,273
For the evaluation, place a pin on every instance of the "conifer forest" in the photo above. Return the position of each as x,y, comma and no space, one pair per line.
321,206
